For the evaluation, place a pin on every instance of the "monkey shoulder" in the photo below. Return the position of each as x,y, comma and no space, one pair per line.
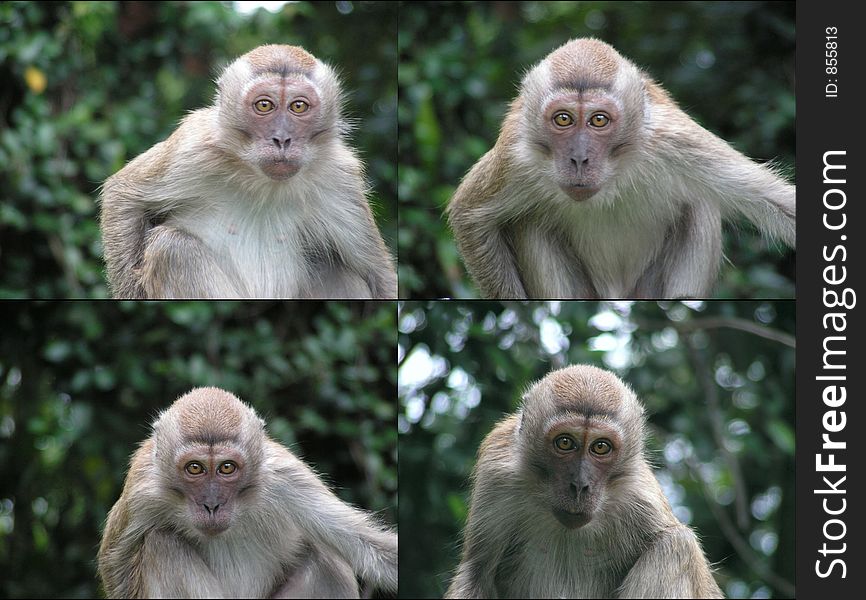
483,182
500,439
677,540
675,134
161,160
684,571
497,450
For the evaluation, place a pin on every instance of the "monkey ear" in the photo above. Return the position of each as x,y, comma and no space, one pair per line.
520,418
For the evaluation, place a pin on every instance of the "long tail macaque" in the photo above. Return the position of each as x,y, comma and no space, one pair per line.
565,505
256,196
599,186
213,508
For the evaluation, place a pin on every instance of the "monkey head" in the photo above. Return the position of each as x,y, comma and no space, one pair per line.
277,104
209,448
579,429
582,107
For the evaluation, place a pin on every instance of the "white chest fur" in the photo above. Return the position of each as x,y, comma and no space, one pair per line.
262,247
561,566
617,241
228,558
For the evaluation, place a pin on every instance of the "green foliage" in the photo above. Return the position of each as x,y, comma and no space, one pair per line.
80,382
730,65
87,86
717,379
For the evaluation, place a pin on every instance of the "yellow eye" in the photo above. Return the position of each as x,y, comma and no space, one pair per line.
227,468
299,106
564,443
194,468
600,447
563,119
264,105
599,120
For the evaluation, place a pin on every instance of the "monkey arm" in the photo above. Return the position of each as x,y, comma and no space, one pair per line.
128,201
475,216
676,273
372,257
753,191
363,269
380,273
493,523
370,549
350,257
321,574
484,543
716,171
175,569
549,268
178,264
673,566
124,225
137,252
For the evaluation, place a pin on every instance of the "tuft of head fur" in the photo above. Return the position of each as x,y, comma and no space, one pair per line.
207,415
287,62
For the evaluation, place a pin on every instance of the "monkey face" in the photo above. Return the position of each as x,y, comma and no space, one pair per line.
582,131
280,117
210,477
580,452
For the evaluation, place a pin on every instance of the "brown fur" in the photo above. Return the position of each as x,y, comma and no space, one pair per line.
634,212
211,213
587,59
272,58
288,535
632,546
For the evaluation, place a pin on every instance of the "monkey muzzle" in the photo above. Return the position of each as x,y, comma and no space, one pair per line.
578,191
572,520
280,168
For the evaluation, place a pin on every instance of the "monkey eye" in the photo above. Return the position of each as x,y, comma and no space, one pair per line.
601,447
227,468
563,119
263,105
564,443
194,468
599,120
299,106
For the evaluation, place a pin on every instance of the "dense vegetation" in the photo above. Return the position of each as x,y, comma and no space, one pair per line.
87,86
730,65
80,383
717,379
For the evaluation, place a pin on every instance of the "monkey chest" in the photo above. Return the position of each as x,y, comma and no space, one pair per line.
585,255
614,257
556,571
263,255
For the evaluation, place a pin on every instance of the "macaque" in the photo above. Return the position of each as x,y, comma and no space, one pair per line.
599,186
213,508
256,196
565,505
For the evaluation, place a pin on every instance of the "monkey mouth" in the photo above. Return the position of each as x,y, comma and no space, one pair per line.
280,168
572,520
579,191
213,528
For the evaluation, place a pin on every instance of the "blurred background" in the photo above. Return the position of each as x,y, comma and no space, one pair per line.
87,86
81,382
730,65
717,380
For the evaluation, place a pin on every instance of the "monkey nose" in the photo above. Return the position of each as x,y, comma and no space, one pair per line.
577,489
583,162
281,143
211,510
